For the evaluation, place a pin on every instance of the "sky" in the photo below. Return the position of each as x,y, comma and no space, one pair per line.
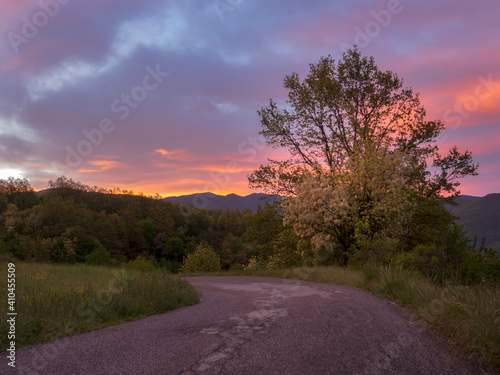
161,96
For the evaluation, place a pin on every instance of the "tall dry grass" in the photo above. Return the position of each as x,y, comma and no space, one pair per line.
53,301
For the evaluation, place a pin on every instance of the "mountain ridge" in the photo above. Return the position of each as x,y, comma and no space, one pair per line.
210,200
480,216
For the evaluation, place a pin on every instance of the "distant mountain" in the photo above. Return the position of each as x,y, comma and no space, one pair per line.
463,200
481,216
214,201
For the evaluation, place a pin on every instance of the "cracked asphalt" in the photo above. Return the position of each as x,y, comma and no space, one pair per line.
256,325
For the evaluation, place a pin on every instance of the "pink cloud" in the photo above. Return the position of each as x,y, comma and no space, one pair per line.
100,166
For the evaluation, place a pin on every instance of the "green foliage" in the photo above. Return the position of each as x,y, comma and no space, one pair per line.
173,253
71,220
174,249
345,106
197,220
399,284
204,259
281,258
3,202
62,300
256,264
480,266
429,224
371,272
86,244
148,230
452,258
141,264
100,257
357,182
274,242
63,250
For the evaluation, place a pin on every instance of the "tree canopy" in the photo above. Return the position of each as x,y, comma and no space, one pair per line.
363,161
344,107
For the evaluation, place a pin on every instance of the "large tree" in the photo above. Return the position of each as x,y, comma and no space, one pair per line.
341,125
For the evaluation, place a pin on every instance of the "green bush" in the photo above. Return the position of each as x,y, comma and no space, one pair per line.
445,264
100,257
480,266
169,266
174,249
140,263
204,259
427,259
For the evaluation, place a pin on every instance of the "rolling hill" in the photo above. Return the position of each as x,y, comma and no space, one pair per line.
480,216
214,201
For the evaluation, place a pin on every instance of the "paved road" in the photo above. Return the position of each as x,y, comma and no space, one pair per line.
255,325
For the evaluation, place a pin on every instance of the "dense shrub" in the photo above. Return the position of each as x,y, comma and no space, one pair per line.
141,263
174,249
204,259
100,257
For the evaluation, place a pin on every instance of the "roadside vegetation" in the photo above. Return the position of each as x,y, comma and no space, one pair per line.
54,301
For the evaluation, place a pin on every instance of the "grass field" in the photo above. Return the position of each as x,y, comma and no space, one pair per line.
467,315
53,301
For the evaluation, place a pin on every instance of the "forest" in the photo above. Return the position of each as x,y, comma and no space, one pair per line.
71,222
